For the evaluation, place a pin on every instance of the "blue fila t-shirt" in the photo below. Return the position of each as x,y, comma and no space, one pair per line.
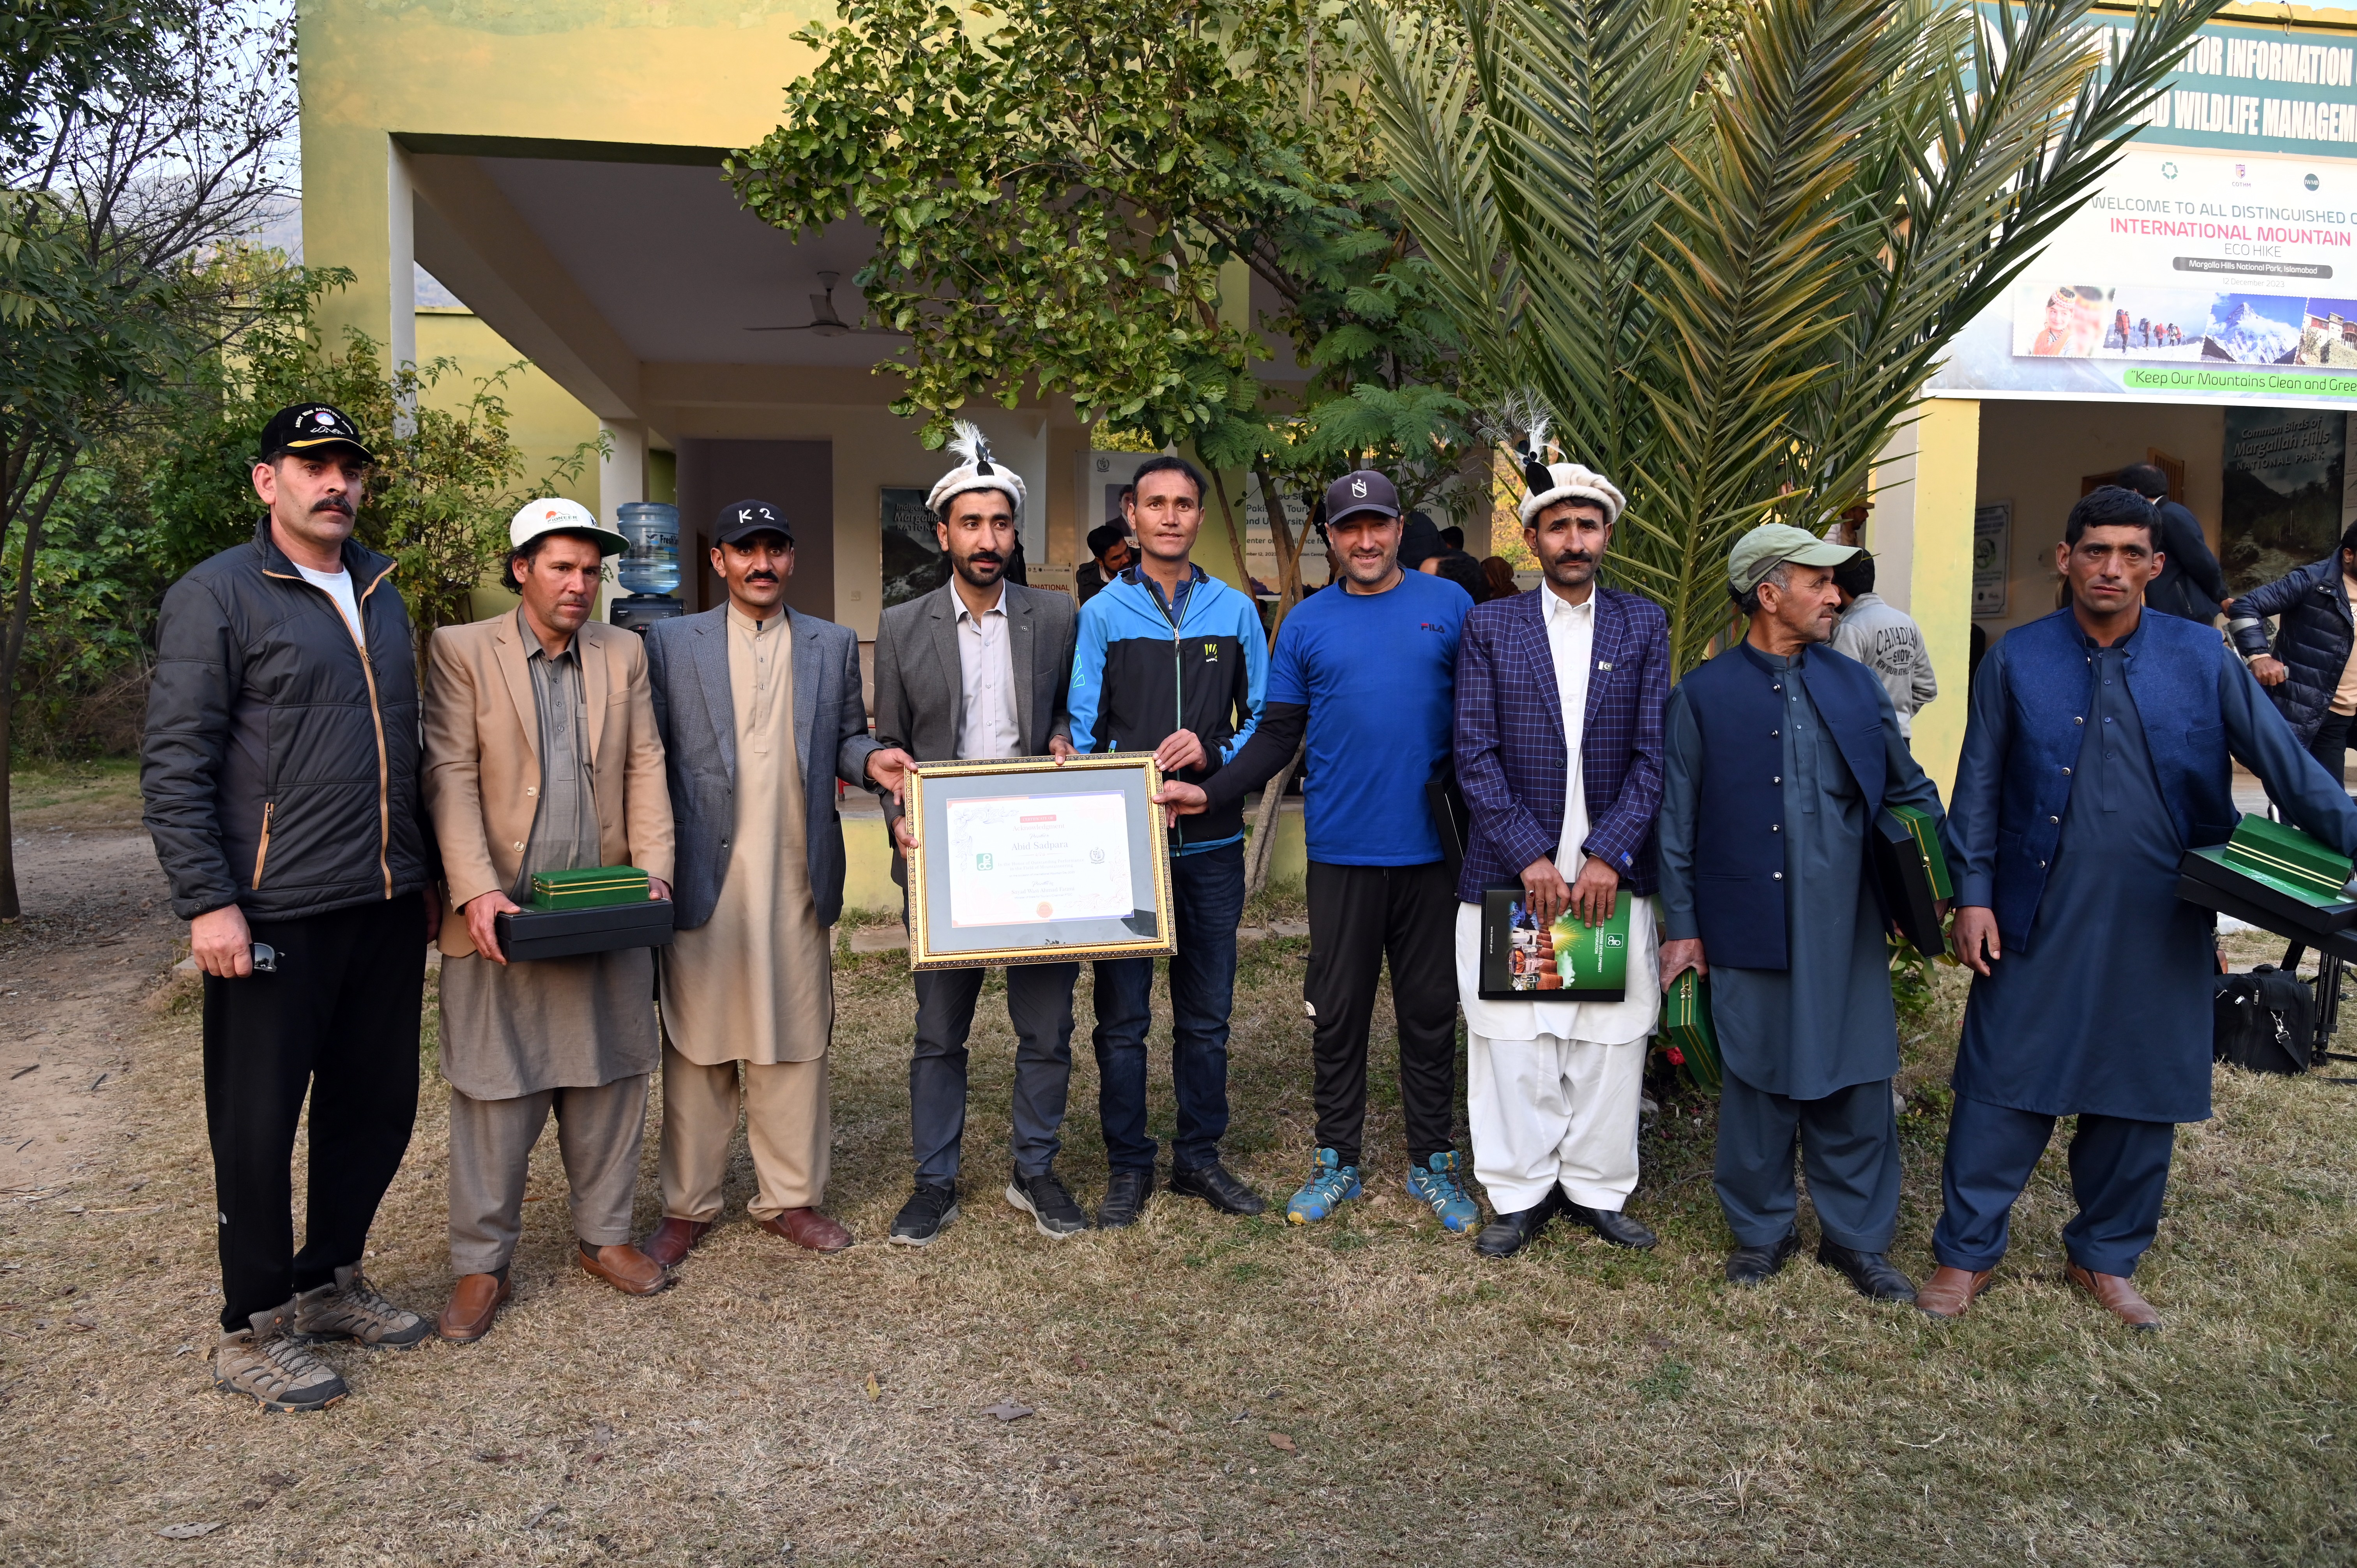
1378,673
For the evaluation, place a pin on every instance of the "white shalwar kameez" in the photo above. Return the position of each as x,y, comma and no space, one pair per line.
1552,1088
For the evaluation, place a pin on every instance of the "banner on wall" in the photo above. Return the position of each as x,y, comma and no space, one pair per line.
2217,263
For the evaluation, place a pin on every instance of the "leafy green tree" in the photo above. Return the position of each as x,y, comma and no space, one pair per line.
1727,256
136,140
1058,184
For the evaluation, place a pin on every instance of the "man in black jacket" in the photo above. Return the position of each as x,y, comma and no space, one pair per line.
280,773
2189,583
2311,671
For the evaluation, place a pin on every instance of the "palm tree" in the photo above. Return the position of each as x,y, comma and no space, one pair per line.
1728,267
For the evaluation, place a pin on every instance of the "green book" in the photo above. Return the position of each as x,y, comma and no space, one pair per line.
1688,1035
1564,961
589,887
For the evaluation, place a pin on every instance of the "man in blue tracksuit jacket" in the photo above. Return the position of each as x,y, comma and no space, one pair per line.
1173,661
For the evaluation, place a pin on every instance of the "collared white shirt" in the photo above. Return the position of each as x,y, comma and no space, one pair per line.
1571,638
986,727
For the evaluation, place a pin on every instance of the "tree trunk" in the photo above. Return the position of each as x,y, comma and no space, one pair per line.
1235,538
12,648
1280,533
1264,840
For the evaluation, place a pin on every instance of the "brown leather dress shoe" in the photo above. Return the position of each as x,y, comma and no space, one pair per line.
2116,1296
809,1228
473,1300
625,1268
673,1239
1949,1291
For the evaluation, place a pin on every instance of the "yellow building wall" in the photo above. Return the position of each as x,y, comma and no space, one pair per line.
703,73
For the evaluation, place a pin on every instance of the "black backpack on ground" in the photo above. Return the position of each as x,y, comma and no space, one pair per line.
2264,1021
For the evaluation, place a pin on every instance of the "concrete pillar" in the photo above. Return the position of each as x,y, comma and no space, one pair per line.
401,260
1922,535
622,477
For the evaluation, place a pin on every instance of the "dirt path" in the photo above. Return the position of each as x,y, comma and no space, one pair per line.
97,940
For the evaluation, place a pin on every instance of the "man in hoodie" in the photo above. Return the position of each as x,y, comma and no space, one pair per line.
1172,660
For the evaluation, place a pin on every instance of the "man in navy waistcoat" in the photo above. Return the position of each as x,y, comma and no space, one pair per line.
2097,754
1779,754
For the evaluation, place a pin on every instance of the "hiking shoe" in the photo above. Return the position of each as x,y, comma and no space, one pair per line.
270,1367
1332,1184
351,1309
1048,1203
927,1213
1438,1183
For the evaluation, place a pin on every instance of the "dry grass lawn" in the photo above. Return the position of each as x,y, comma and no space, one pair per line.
1202,1390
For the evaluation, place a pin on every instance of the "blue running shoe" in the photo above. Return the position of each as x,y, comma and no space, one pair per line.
1435,1182
1324,1192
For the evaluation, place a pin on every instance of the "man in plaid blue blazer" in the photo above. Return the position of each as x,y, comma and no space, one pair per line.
1559,696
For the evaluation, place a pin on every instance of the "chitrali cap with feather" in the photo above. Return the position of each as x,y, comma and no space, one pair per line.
976,471
1546,483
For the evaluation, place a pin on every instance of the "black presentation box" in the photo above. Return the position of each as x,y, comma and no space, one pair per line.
570,933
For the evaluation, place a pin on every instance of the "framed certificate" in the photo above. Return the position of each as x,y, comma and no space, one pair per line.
1027,861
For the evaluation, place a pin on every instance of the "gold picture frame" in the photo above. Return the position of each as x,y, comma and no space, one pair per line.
938,892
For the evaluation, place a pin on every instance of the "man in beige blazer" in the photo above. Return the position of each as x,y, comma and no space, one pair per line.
542,755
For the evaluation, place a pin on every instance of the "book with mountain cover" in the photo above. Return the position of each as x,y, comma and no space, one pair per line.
1564,960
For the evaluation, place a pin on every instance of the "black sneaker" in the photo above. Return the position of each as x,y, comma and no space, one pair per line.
1216,1187
1048,1203
1125,1203
929,1210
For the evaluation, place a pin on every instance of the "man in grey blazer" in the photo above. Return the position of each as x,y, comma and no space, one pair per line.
760,713
979,668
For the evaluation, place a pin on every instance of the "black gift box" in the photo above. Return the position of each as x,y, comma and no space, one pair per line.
2203,879
527,934
1903,870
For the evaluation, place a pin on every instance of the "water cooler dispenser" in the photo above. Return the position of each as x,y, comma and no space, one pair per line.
649,570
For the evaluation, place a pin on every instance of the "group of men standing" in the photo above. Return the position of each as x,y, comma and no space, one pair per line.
317,818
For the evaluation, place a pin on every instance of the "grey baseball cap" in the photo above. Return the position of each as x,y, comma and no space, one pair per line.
1760,552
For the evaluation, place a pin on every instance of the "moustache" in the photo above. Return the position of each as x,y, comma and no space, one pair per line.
760,576
1581,557
986,558
333,503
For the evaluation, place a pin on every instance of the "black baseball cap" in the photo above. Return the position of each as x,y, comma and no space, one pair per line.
1365,490
312,428
739,520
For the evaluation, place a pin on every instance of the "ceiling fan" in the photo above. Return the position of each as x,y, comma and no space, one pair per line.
824,320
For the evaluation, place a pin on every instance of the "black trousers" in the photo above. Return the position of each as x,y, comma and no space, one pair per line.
1358,916
338,1020
1040,1005
2331,747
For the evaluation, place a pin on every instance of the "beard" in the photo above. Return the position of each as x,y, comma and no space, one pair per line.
981,569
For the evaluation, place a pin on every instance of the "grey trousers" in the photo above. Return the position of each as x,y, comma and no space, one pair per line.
1849,1142
598,1132
1039,1006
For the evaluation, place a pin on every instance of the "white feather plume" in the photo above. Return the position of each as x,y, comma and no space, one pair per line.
968,443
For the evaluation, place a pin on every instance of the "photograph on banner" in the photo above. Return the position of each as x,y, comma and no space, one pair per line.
913,564
2218,261
2286,493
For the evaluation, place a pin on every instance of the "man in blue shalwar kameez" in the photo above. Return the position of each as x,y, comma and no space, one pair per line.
1778,755
2097,753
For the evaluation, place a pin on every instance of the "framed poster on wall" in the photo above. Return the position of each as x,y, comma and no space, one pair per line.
1991,557
913,564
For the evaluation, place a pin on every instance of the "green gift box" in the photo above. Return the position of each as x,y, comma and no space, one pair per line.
1687,1033
589,887
2275,877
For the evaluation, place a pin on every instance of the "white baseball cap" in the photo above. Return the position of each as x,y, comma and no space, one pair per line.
555,514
